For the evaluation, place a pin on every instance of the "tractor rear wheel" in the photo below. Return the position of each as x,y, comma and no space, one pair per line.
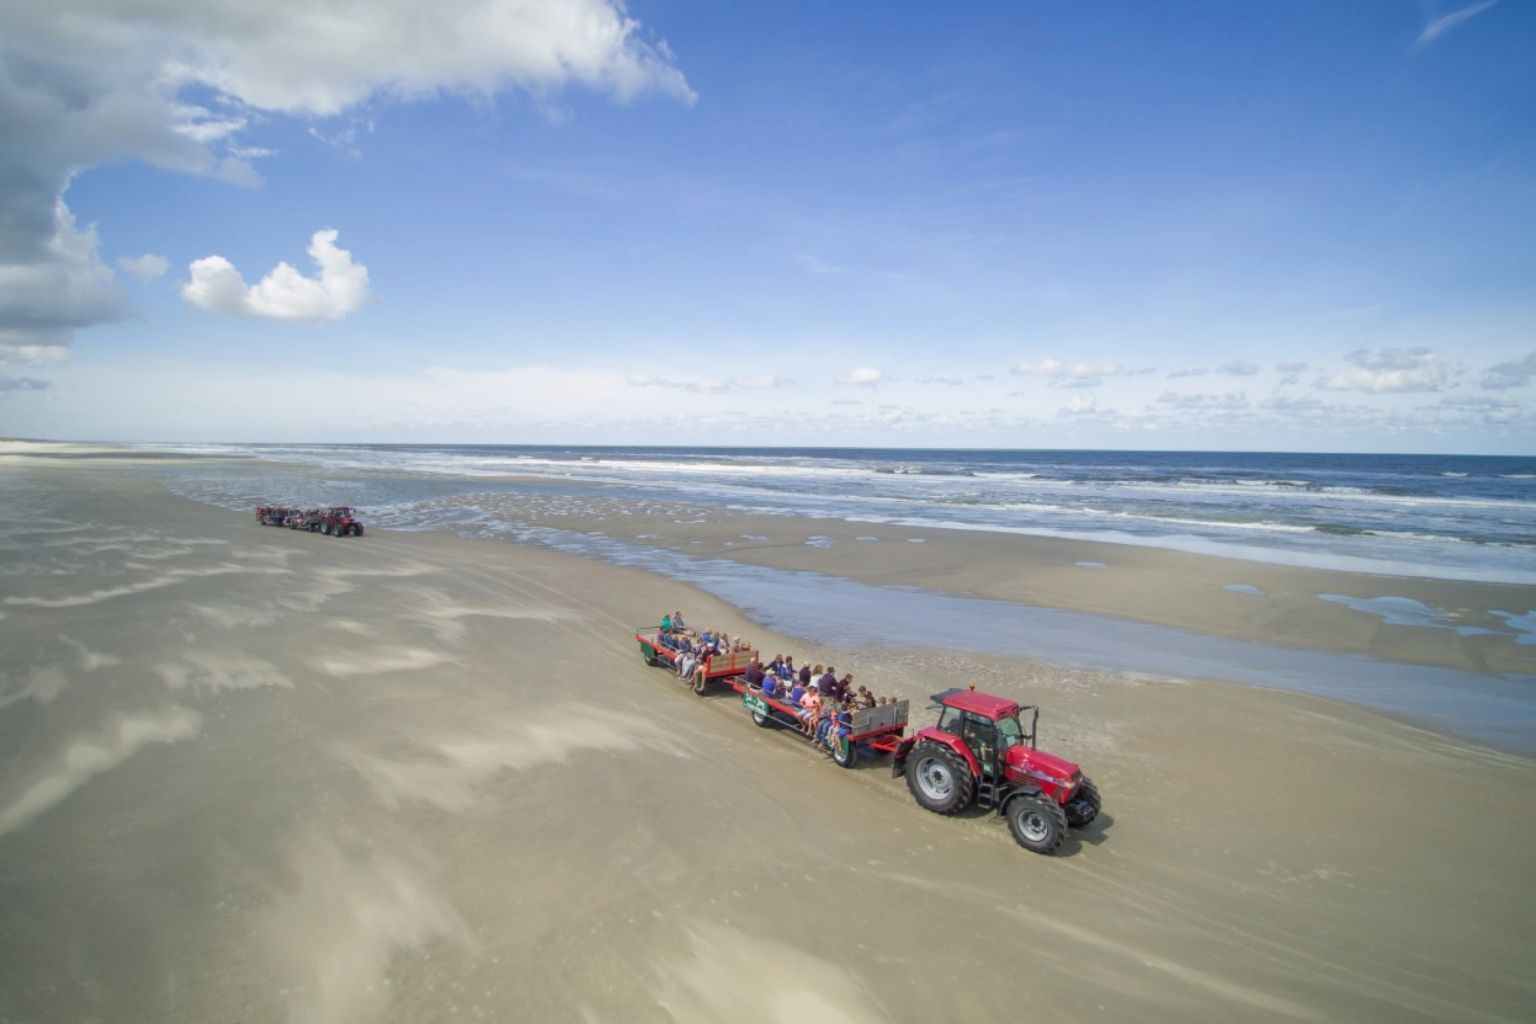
1037,824
1084,805
939,780
357,529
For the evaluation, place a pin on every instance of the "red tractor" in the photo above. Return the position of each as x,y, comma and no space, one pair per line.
340,520
980,753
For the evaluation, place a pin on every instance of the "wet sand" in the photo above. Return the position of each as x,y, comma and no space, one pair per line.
251,774
1271,604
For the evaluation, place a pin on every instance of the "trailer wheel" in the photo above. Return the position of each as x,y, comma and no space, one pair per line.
1084,805
761,720
325,528
1037,824
700,684
648,655
940,782
844,753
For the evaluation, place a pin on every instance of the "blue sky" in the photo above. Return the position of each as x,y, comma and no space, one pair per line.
1201,225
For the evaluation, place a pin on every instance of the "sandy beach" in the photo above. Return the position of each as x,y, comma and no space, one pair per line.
257,775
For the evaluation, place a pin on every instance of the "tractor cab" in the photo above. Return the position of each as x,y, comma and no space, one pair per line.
1000,735
988,725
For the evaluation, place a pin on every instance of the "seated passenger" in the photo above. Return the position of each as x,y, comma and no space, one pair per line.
796,694
685,664
666,623
754,674
842,726
810,709
770,686
787,669
677,621
805,674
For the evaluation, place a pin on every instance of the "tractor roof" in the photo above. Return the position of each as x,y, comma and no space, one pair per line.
984,704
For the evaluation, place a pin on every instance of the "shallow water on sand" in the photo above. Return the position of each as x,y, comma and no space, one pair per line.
1498,710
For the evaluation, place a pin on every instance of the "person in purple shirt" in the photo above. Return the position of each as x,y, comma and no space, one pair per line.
827,684
755,674
805,675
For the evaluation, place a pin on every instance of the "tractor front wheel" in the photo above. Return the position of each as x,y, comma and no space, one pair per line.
1084,805
1037,824
939,781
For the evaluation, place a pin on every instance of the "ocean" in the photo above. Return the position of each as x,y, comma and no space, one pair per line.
1439,516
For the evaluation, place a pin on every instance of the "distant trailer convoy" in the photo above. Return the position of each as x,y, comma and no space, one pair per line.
335,521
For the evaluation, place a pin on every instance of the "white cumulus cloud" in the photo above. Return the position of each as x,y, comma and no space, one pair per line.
1513,374
1390,370
1231,401
864,376
709,386
284,294
1073,375
178,83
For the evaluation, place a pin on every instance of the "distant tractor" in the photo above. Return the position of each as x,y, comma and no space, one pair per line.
340,520
980,753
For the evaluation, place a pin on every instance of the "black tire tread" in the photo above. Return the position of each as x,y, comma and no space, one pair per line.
1088,793
965,783
1050,809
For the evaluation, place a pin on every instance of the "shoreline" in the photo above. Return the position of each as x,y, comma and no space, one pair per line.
1130,582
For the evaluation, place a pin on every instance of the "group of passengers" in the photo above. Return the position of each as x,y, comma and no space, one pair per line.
823,703
692,650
